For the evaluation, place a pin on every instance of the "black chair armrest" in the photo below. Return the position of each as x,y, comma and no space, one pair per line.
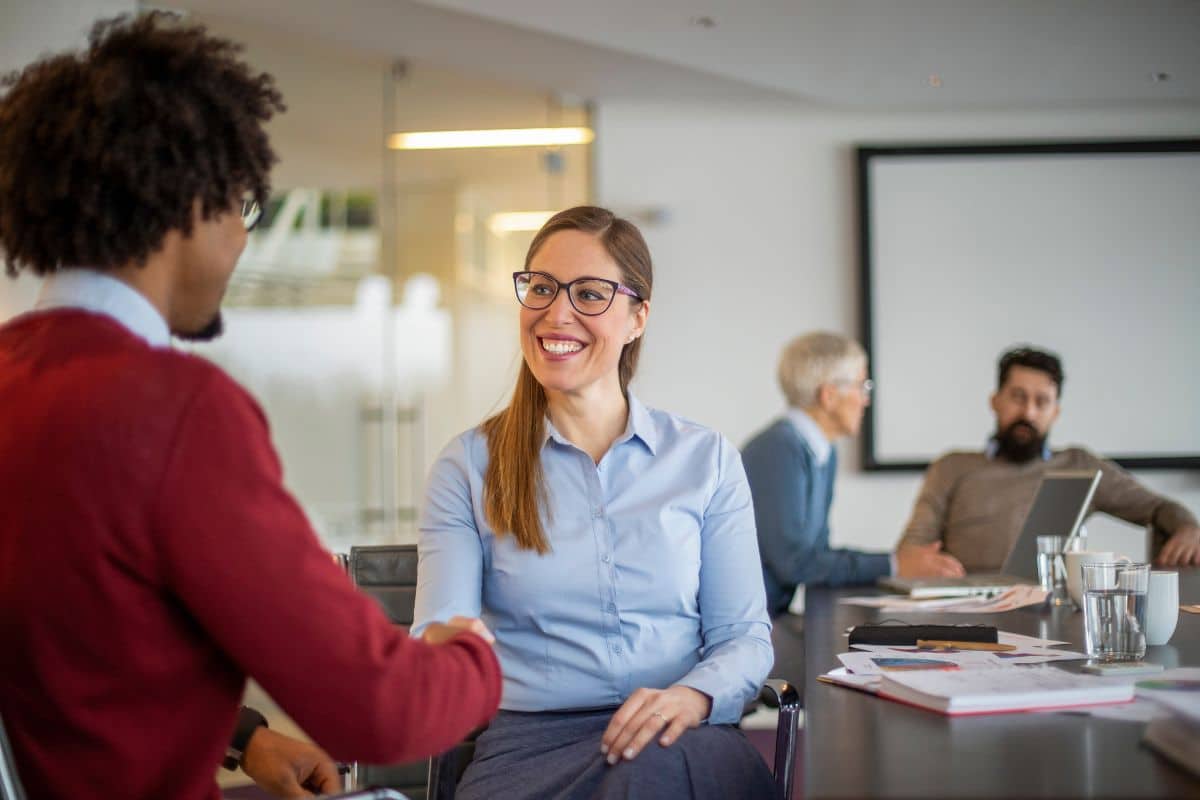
781,694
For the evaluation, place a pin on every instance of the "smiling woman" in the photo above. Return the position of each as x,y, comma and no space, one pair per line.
608,546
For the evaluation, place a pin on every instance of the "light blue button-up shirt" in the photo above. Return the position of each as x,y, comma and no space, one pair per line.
812,434
653,578
92,290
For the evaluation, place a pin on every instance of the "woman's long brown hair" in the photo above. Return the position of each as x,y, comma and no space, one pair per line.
514,490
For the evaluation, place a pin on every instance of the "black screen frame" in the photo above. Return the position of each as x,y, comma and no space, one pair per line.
865,154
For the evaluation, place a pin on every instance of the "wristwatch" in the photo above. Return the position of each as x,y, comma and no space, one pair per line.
248,722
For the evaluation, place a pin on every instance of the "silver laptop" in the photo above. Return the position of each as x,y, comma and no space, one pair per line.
1059,508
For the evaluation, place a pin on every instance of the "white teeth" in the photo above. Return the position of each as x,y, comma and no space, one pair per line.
560,347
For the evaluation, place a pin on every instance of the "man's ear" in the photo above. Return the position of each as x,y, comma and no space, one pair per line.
994,402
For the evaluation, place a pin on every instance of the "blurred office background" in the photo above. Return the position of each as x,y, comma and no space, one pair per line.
372,313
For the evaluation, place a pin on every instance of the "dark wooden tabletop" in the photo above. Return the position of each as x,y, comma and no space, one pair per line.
857,745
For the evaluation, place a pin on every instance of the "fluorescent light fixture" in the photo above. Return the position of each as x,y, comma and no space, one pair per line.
497,137
512,221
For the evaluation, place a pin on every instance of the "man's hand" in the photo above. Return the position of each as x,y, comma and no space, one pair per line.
440,632
665,713
286,767
1182,549
926,561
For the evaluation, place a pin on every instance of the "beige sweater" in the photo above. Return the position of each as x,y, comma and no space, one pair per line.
976,505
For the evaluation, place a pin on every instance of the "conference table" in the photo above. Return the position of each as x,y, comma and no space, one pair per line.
858,745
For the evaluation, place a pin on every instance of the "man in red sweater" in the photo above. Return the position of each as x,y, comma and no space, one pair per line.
150,557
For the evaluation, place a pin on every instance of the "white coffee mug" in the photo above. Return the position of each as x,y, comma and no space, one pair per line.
1073,560
1162,606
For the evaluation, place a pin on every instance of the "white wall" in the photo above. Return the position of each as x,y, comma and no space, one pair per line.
761,244
33,28
30,29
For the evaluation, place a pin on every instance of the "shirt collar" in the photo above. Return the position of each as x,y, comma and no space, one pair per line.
993,449
639,424
812,434
90,290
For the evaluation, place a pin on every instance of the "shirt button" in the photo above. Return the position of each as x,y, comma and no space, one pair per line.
598,511
606,558
612,608
617,649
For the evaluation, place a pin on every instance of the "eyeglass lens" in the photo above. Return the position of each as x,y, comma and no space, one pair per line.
538,291
251,212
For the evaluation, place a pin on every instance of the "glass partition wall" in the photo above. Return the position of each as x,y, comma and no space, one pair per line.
372,313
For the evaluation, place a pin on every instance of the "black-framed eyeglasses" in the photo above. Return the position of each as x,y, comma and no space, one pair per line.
251,211
588,296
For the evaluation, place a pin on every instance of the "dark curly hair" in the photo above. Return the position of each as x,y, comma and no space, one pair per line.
1033,359
104,151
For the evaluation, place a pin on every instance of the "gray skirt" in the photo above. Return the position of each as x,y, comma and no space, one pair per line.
555,755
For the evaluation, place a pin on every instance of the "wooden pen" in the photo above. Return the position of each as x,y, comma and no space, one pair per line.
941,644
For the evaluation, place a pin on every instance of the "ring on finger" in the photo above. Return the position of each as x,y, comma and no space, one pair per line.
660,715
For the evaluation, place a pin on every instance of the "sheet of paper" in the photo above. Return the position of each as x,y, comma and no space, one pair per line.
1176,690
1021,640
901,660
1009,599
1021,656
894,602
1013,597
844,677
1038,655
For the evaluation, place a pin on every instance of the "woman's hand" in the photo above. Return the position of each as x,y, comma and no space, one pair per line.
651,712
441,632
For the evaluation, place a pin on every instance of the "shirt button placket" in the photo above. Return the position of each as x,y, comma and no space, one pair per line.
603,533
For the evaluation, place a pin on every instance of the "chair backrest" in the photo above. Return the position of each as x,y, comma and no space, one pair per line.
446,770
10,784
389,574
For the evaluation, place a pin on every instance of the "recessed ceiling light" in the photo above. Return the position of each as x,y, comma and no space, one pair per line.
935,81
1160,77
501,137
704,22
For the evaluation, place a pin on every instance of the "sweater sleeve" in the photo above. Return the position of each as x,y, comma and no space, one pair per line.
1121,495
243,561
793,538
928,520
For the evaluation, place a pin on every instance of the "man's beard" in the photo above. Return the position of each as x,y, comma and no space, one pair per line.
214,328
1020,442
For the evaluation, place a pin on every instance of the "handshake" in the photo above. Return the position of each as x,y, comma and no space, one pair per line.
441,632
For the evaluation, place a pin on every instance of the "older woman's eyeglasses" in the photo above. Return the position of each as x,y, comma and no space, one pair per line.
251,211
863,387
589,296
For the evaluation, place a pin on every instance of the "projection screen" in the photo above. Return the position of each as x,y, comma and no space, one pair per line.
1089,249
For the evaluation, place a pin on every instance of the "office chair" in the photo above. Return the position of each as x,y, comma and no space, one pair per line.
389,574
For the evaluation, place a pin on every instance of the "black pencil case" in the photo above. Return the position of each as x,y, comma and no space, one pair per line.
909,634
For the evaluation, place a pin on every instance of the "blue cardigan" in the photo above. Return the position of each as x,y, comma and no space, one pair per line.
792,496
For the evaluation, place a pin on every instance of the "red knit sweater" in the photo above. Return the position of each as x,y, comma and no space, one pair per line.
150,558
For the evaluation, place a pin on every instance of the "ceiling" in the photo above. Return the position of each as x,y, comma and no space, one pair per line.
846,54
